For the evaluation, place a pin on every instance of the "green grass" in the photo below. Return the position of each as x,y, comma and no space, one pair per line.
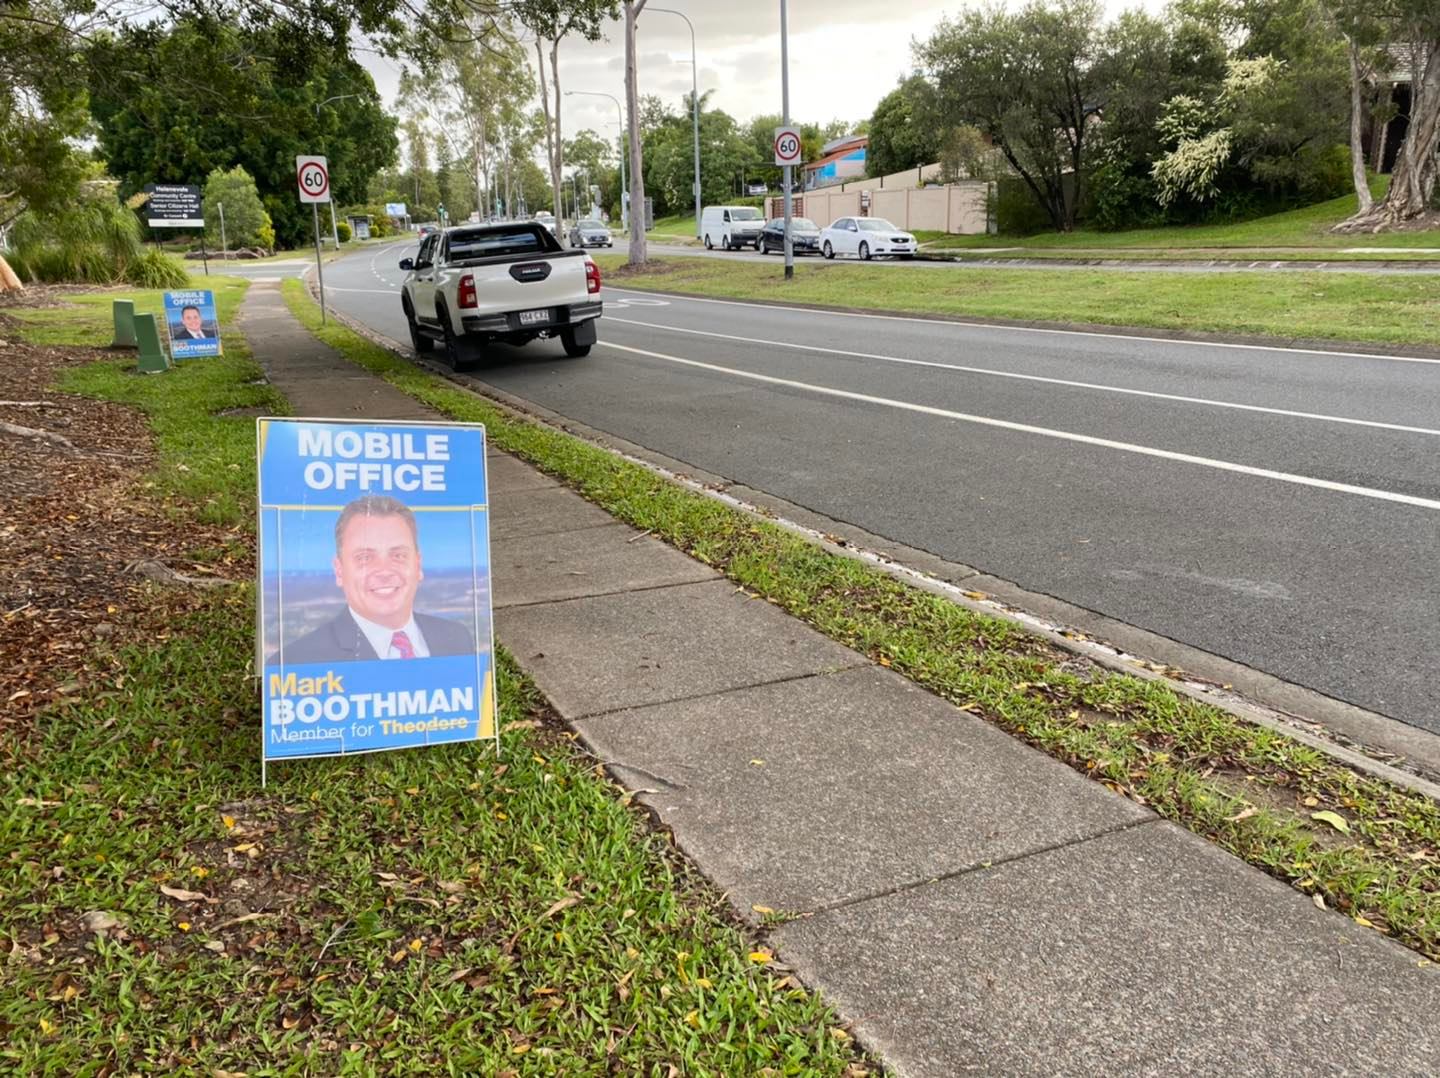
1339,306
1246,788
200,451
426,912
1306,227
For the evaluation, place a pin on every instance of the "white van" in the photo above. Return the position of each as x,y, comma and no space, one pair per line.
731,227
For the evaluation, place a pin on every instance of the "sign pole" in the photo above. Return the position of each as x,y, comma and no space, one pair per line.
785,120
319,268
204,254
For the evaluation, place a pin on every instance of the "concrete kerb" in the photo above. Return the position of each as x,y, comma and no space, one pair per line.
1364,729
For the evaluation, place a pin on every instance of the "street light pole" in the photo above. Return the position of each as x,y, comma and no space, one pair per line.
785,121
334,228
620,122
695,105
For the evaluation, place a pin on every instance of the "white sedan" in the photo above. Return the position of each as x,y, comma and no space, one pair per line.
866,237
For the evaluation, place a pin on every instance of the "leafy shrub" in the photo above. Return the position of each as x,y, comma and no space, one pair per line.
156,270
1016,211
1119,199
245,215
265,235
342,230
92,241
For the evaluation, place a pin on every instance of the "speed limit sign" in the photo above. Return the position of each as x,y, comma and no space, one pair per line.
787,146
313,179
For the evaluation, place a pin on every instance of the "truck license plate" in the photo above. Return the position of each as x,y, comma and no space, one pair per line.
533,318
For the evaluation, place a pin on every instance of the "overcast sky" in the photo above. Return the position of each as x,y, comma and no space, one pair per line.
844,56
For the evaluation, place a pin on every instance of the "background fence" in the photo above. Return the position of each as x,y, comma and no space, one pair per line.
960,208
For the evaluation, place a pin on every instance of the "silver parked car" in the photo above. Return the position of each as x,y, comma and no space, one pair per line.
590,233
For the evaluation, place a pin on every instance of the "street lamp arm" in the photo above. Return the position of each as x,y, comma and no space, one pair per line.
694,104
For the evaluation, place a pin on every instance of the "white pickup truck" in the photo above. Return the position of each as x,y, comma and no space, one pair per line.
473,284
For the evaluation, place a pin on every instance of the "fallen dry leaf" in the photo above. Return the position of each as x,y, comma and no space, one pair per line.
1243,814
182,895
1334,819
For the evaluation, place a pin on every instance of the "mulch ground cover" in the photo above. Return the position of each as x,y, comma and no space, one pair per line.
76,543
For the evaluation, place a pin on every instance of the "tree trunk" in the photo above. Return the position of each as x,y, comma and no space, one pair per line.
632,107
559,167
1357,129
549,134
1412,183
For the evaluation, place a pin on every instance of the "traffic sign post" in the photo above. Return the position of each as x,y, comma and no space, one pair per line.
312,177
787,140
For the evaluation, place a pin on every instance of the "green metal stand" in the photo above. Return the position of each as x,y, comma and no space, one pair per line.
124,324
152,352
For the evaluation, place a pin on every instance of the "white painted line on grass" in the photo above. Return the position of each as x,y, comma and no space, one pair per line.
1032,378
1031,329
1048,432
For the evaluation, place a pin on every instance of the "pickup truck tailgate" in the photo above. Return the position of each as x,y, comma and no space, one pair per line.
547,281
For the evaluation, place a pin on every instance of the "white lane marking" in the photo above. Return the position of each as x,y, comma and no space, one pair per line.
1036,329
1035,378
366,291
1048,432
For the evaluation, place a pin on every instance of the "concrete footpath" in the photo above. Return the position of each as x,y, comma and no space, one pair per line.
970,905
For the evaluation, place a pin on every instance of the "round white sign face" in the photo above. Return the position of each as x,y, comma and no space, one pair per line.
314,181
787,146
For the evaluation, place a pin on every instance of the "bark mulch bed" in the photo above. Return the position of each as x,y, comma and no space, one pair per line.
85,555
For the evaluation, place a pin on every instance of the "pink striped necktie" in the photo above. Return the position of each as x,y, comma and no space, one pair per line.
401,643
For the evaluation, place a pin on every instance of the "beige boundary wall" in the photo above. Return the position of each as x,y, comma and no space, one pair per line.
960,208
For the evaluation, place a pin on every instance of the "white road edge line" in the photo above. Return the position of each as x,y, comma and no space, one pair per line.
1032,329
1031,378
366,291
1047,432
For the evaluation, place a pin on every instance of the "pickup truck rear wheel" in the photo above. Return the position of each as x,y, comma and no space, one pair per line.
578,339
418,340
460,353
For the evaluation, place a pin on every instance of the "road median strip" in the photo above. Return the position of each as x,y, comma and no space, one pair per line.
1336,306
402,913
1357,845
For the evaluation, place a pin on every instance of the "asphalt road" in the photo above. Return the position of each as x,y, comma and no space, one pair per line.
1279,508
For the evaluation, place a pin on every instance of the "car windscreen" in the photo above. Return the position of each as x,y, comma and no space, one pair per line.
745,214
876,224
797,224
593,225
512,240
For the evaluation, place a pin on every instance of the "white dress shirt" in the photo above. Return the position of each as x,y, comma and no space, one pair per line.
380,637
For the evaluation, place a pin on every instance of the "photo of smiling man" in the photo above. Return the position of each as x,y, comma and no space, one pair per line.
378,566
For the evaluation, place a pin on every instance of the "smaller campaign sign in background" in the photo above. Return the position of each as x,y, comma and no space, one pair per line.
192,324
322,690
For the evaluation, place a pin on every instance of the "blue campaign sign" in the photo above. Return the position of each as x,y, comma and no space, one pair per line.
192,323
375,622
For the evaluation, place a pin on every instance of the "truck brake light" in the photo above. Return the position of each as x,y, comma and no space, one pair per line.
592,277
467,291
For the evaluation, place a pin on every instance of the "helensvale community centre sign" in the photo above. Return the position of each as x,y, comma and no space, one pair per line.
375,617
173,205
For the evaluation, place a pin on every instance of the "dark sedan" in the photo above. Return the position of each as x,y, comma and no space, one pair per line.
804,235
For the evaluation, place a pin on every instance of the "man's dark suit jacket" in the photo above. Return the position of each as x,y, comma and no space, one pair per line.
340,640
180,333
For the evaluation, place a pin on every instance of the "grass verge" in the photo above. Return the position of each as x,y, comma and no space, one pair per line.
1337,306
430,912
201,448
1372,852
1308,226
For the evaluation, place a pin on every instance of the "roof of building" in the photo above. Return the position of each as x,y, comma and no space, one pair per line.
845,150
